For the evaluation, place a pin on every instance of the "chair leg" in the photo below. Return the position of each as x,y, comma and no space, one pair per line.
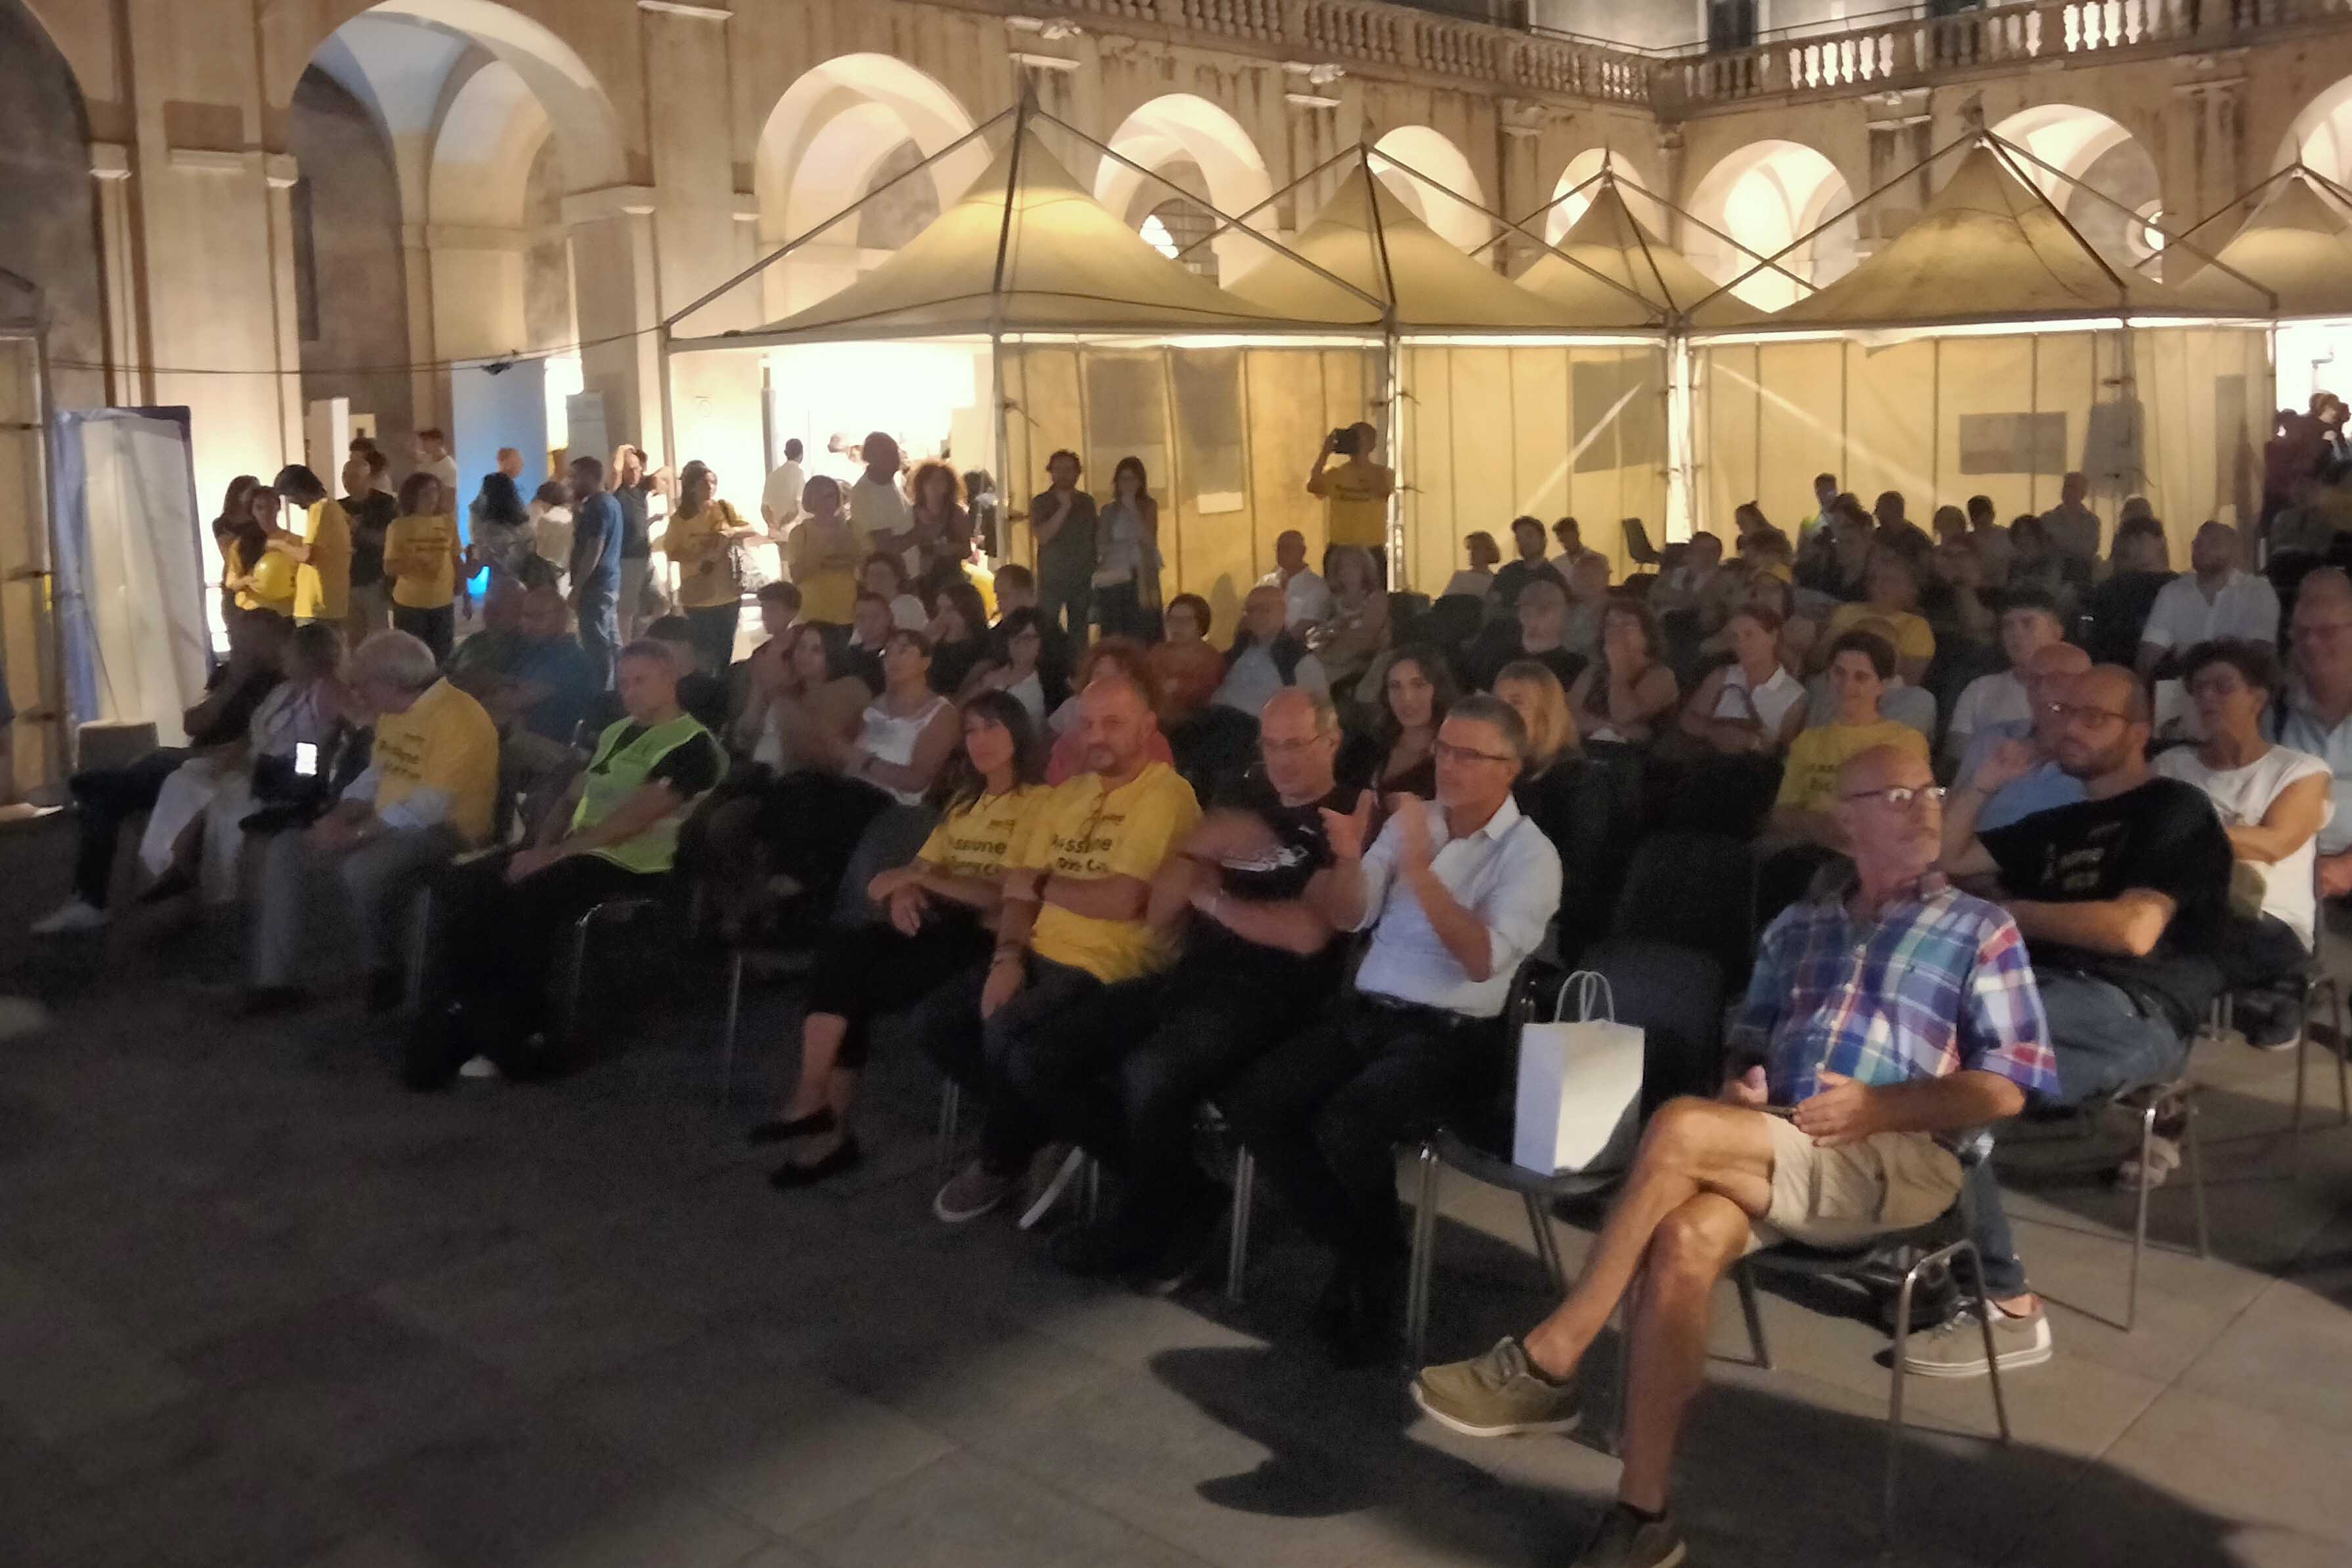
1945,1258
1744,1278
1547,1244
1092,1176
577,978
2193,1144
2340,1017
420,949
1237,1225
950,1111
2139,1218
734,1018
1424,1245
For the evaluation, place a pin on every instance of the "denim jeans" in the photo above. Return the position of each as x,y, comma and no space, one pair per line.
2104,1044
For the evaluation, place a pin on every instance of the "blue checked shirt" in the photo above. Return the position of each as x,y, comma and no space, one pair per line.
1938,984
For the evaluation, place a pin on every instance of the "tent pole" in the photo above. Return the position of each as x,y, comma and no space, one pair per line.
668,402
1004,450
2245,195
1685,214
1247,212
1392,372
1802,240
1577,189
1541,243
795,244
1223,223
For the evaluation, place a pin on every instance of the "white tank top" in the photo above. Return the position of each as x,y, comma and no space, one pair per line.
890,739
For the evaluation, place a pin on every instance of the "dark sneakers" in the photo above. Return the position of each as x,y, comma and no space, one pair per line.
1626,1539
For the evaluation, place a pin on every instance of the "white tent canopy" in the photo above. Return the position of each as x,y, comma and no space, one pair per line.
1608,255
2297,245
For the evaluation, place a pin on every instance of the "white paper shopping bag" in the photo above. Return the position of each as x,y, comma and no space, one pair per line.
1579,1088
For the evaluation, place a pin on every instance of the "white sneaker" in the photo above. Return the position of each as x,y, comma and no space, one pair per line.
478,1067
71,916
1956,1347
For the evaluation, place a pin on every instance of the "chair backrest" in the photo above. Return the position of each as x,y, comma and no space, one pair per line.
1674,994
1694,891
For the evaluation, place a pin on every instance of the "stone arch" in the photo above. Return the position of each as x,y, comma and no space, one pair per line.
2321,136
2094,150
1765,195
834,134
1561,215
492,132
1426,156
1196,143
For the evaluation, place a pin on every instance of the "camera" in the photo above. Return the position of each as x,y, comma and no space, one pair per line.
1343,440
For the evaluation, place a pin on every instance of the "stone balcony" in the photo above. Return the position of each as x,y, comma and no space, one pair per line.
1891,53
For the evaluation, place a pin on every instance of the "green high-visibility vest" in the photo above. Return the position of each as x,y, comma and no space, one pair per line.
620,771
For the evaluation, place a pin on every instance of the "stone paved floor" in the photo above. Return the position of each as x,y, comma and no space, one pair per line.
260,1308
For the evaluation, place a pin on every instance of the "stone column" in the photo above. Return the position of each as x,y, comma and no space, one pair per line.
281,174
615,283
2205,162
1901,135
128,382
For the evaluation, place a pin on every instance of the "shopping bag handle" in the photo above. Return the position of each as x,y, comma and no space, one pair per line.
1589,984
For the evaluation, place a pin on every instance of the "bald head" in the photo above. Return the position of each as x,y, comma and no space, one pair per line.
2098,732
1299,736
1115,722
2045,666
2116,689
1893,840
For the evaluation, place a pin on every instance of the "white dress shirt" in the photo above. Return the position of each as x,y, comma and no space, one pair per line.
782,493
1507,874
2306,731
2246,606
1989,699
1307,598
1254,677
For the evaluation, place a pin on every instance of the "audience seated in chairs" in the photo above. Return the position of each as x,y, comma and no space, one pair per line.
961,638
1307,597
2120,897
1075,947
1356,632
108,797
1266,656
1455,894
1751,707
1476,581
1622,696
1536,630
1396,755
700,691
1855,1064
195,835
1894,600
2029,623
1014,663
1209,743
2317,717
2272,802
1131,661
506,918
2035,781
1260,959
2118,608
430,791
933,956
1529,566
1861,664
1590,810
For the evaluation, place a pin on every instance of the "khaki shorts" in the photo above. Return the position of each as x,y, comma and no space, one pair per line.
1841,1197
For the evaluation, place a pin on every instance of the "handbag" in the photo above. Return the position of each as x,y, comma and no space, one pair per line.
1579,1104
743,561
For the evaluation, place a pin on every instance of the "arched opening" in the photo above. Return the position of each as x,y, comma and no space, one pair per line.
2322,135
1764,197
1562,214
1418,161
2093,153
843,129
1197,147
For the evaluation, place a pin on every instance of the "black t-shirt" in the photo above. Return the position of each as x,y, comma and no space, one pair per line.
705,696
371,515
2119,610
1069,556
636,529
689,768
1301,848
1361,758
2162,836
1512,578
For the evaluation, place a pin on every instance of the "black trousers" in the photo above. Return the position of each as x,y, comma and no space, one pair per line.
107,798
866,971
436,628
1324,1112
497,947
1049,1033
1131,1098
713,628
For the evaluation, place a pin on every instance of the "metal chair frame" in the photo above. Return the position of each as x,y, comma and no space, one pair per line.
2145,1103
2316,980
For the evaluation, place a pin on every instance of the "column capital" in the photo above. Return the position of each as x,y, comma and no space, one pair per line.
110,161
682,8
611,202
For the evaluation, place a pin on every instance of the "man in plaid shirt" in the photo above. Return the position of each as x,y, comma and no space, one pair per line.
1883,1019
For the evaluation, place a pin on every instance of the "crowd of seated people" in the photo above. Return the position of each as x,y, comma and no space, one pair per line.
1105,871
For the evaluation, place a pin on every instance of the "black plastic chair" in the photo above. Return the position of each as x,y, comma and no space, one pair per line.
1674,996
1692,890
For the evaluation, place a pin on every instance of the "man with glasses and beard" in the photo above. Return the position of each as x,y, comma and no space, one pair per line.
2121,898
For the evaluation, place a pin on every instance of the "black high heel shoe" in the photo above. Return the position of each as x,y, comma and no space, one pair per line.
817,1121
845,1156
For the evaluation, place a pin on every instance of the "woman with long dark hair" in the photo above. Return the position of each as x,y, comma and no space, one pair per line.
942,528
422,556
700,542
240,542
503,540
1398,755
1127,561
960,643
1627,692
935,951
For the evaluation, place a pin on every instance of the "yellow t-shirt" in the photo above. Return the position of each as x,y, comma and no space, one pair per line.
694,545
825,571
978,842
1809,782
323,588
445,741
1081,831
1357,496
1914,638
419,555
273,581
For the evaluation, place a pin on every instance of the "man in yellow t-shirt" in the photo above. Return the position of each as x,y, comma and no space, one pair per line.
1356,493
429,791
1861,666
1073,941
323,582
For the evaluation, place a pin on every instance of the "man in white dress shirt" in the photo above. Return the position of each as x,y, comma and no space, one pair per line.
780,502
2216,599
1308,596
2029,623
1455,894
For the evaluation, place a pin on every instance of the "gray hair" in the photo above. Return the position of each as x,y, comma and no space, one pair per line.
395,659
1487,708
1326,712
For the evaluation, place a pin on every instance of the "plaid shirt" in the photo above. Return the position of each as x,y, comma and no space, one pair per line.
1939,983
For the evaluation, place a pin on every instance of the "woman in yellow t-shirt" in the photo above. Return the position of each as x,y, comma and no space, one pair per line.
1861,663
703,531
824,553
942,908
421,555
263,577
1893,597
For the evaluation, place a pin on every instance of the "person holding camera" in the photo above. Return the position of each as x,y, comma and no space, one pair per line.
1355,491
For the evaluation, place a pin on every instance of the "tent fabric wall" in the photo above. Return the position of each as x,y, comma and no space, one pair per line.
1493,433
2173,413
1226,436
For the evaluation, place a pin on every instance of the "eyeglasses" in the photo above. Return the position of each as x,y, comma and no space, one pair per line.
1902,796
1295,748
1446,751
2076,712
